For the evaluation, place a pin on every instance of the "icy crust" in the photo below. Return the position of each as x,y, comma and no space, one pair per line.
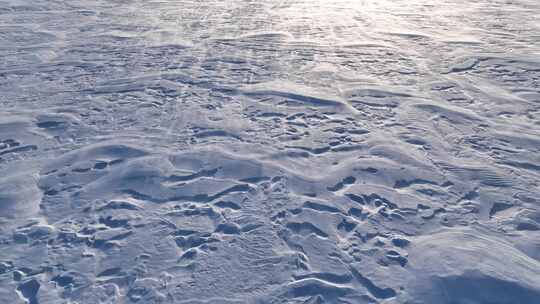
265,152
464,266
144,226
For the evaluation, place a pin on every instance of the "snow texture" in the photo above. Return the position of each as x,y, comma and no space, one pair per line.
235,151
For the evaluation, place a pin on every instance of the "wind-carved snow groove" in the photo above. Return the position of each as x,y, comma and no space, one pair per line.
408,183
305,227
313,286
380,293
201,198
321,207
298,93
216,133
488,177
184,178
342,184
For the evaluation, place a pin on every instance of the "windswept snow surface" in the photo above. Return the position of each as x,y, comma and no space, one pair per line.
294,151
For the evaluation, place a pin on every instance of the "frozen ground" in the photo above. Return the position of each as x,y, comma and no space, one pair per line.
295,151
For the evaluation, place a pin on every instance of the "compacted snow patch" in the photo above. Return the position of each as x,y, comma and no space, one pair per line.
464,266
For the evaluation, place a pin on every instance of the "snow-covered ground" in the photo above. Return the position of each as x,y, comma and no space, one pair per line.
294,151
